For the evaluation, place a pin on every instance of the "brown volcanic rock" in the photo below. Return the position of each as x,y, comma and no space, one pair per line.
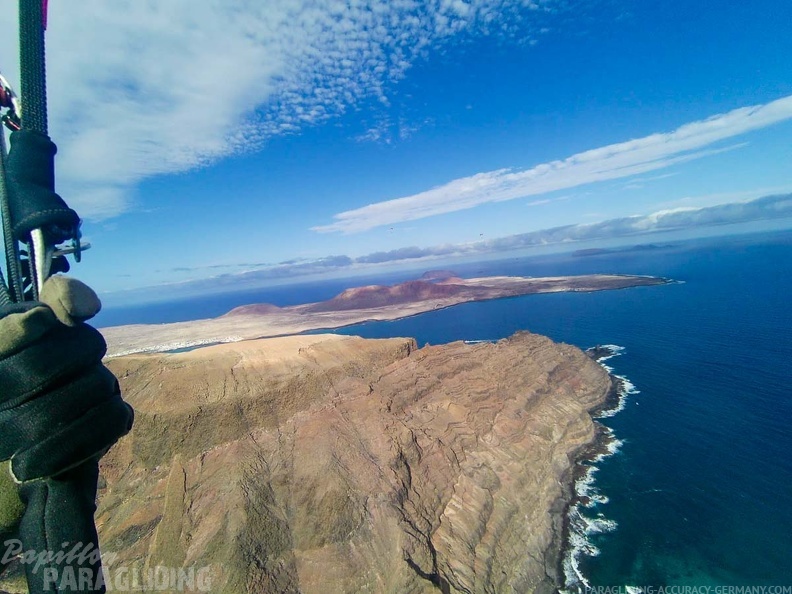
253,309
337,464
380,296
438,275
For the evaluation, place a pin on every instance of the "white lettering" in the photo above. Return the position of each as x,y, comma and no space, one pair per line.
68,581
13,548
204,579
50,578
122,579
161,578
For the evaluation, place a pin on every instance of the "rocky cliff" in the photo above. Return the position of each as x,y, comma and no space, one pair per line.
336,464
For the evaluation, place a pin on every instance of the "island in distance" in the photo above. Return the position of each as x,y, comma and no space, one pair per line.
436,289
327,463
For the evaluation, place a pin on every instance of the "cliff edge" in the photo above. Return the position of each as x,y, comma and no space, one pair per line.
331,463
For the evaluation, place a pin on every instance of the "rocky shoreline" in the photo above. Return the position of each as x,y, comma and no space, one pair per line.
582,460
353,465
588,455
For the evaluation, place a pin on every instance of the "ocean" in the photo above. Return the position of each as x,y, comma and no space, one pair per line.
699,491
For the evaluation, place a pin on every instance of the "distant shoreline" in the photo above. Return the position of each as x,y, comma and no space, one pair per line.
374,303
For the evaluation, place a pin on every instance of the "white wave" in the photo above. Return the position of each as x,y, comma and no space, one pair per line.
587,492
615,351
614,348
581,527
600,525
585,484
577,546
612,447
626,388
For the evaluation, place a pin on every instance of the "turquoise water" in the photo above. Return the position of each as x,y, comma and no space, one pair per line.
701,489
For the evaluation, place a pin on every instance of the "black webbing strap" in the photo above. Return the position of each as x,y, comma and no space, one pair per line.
14,291
31,164
33,203
5,296
33,65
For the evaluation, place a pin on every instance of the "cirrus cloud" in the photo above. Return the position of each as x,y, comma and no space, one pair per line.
625,159
774,207
140,89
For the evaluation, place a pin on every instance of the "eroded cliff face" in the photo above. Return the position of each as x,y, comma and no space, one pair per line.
337,464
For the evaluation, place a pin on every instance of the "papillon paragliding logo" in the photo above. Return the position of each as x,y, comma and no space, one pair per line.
74,574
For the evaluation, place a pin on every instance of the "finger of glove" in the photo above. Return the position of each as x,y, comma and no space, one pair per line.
72,301
33,421
17,330
11,506
61,354
60,514
89,437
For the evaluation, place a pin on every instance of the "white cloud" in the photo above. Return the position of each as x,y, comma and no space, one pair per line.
614,161
637,183
767,208
705,200
139,89
544,201
670,219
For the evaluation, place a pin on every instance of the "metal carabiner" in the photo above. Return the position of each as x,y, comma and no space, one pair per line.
10,101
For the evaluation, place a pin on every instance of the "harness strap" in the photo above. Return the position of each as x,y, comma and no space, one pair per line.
14,290
33,65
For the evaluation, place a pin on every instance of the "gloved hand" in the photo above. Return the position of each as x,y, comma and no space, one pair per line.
59,406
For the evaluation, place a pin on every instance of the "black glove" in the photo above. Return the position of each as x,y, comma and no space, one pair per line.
59,406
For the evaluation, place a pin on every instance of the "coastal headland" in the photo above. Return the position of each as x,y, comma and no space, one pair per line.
434,290
323,462
327,463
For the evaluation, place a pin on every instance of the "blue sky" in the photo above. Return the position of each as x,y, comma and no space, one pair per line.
292,137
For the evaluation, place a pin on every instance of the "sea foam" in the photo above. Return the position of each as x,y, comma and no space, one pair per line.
582,527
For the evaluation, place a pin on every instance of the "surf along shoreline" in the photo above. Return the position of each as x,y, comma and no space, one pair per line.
581,493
